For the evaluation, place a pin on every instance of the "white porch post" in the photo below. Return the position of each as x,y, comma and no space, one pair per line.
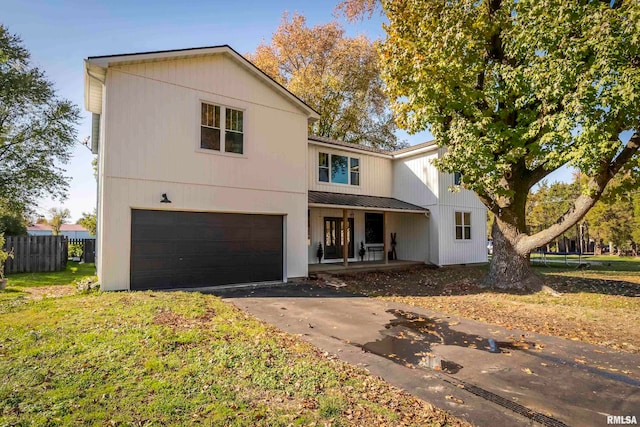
345,245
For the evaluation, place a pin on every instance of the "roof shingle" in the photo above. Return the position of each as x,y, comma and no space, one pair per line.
356,200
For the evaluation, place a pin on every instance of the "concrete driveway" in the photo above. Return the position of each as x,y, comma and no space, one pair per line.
529,379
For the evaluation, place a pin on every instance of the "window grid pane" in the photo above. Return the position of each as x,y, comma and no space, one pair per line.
339,169
463,225
458,233
210,116
234,120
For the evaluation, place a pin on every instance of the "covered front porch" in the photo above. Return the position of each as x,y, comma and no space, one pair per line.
346,230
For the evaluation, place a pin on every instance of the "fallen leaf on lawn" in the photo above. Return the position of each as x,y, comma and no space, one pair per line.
583,362
614,369
543,364
454,323
527,371
455,399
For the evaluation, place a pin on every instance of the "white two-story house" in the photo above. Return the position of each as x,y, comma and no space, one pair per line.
207,176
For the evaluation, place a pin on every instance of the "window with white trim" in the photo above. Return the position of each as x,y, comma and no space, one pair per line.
338,169
463,225
219,123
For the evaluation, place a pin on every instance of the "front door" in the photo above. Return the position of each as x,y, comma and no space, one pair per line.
333,238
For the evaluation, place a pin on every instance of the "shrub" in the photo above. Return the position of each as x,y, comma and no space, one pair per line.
4,255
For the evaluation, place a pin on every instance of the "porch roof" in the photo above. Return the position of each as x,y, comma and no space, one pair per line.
356,201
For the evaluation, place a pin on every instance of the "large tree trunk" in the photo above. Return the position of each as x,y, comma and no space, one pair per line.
510,268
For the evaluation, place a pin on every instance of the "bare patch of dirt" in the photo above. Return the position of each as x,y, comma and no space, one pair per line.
177,321
593,310
40,292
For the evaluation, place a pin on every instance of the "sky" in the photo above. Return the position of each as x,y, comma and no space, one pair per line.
60,34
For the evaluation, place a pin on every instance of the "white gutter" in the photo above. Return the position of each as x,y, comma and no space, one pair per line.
433,147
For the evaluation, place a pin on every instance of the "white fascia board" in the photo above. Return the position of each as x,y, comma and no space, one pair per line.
430,148
105,61
349,149
94,77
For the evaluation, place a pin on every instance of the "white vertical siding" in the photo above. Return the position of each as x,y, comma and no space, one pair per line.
412,236
150,146
415,179
376,177
452,251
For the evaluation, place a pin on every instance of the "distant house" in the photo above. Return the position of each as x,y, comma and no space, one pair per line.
207,176
71,231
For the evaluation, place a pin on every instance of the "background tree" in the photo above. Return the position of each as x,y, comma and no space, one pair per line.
548,203
516,90
336,75
58,217
88,221
12,223
37,129
613,220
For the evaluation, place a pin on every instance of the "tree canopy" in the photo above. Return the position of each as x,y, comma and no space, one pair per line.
37,129
338,76
59,216
516,90
89,221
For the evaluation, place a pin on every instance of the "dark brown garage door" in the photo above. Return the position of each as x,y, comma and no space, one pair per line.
194,249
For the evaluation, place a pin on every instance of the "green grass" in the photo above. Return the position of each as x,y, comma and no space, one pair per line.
600,262
73,271
179,358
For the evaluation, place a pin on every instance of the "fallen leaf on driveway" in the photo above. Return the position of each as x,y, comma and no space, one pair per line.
454,399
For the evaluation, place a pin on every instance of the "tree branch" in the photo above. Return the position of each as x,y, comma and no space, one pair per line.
582,204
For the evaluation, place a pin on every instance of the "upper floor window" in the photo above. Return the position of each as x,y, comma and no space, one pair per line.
338,169
216,121
463,225
457,178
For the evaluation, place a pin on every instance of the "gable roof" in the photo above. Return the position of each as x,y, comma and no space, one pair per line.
96,66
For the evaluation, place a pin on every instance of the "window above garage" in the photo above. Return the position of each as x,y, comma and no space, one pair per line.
338,169
221,129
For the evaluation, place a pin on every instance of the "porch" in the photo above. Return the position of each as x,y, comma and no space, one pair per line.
347,230
361,266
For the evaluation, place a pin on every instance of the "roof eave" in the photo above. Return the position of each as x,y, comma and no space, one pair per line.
349,149
365,208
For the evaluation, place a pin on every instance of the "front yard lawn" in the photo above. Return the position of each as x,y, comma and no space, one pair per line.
599,306
178,358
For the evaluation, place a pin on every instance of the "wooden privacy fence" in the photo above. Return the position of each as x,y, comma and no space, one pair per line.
88,247
33,254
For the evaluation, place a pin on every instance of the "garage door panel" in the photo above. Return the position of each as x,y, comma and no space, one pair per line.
194,249
153,247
